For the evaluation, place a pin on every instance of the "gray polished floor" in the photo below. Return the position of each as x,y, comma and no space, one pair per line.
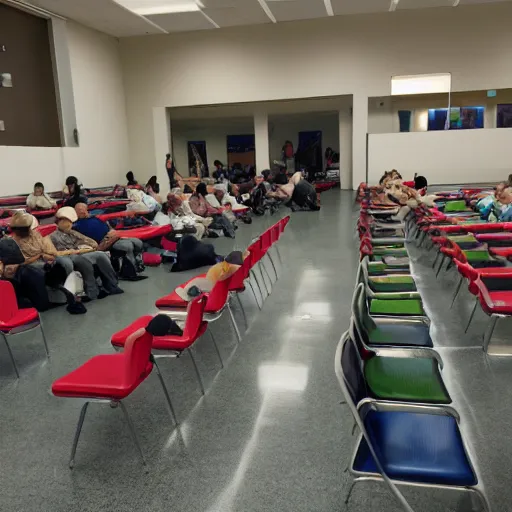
270,434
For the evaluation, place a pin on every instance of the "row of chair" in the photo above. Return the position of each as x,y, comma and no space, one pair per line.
478,251
391,375
111,378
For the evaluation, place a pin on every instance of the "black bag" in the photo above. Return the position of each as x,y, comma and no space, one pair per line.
10,253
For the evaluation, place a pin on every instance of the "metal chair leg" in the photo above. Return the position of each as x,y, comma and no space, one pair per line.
351,488
44,338
472,315
166,392
440,266
78,431
278,254
457,291
233,321
268,275
15,366
199,378
216,347
132,431
437,257
489,331
243,310
254,293
253,273
273,265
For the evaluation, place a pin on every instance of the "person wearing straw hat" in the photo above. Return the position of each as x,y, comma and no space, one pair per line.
79,253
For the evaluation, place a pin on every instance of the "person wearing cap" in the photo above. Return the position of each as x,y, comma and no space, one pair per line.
107,238
79,253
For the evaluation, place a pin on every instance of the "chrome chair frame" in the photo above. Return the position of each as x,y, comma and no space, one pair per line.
383,405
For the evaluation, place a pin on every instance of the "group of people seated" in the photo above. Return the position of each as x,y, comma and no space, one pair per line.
496,206
85,244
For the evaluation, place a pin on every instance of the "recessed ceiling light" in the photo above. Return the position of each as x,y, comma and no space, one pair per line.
148,7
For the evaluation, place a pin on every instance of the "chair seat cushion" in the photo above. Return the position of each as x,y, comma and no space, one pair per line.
171,342
424,448
403,335
397,307
102,376
410,379
22,317
392,283
173,300
501,302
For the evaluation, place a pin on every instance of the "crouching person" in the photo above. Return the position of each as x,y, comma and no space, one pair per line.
79,253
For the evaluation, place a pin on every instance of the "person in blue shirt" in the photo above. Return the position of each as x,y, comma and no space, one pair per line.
108,239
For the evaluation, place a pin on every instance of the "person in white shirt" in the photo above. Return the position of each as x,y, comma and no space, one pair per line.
38,200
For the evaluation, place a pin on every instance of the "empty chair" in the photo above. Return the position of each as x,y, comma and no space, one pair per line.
171,345
110,378
15,321
404,444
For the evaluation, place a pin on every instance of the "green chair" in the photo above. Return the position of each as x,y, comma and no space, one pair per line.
402,375
400,332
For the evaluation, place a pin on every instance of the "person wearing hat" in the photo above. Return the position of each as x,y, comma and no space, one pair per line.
79,253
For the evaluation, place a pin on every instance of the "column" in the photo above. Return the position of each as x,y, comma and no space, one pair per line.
345,145
162,138
359,133
261,141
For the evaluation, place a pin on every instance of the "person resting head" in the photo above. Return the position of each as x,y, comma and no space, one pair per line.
74,188
38,200
174,203
218,272
392,175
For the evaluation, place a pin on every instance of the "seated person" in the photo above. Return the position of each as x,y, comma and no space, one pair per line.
505,205
38,200
140,201
489,206
222,197
83,256
153,189
130,249
73,191
43,265
419,184
220,174
180,211
130,178
200,206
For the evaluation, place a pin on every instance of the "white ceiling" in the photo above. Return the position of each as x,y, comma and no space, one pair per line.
112,18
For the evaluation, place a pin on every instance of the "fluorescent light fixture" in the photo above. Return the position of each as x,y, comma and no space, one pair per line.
150,7
421,84
456,3
282,377
328,7
267,10
393,5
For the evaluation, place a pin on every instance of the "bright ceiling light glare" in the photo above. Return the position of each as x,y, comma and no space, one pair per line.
152,7
393,5
328,7
421,84
282,377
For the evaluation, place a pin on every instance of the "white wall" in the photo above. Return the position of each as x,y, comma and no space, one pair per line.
444,157
340,55
102,158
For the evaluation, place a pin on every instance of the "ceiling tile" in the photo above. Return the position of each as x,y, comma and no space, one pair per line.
181,21
467,2
103,15
289,10
421,4
244,13
359,6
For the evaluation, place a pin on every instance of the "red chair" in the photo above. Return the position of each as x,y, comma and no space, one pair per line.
16,321
237,285
172,345
216,304
109,379
256,255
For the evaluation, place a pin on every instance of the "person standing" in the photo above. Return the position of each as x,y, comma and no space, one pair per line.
171,170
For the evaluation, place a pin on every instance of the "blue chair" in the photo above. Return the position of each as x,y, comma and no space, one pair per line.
402,443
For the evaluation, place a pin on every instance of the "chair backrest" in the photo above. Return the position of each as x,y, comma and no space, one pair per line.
218,296
276,232
266,240
255,250
362,319
238,278
284,222
8,300
352,371
137,352
194,320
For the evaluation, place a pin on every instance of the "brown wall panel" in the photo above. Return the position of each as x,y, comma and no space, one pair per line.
29,108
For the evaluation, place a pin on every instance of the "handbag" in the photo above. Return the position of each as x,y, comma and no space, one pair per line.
108,241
